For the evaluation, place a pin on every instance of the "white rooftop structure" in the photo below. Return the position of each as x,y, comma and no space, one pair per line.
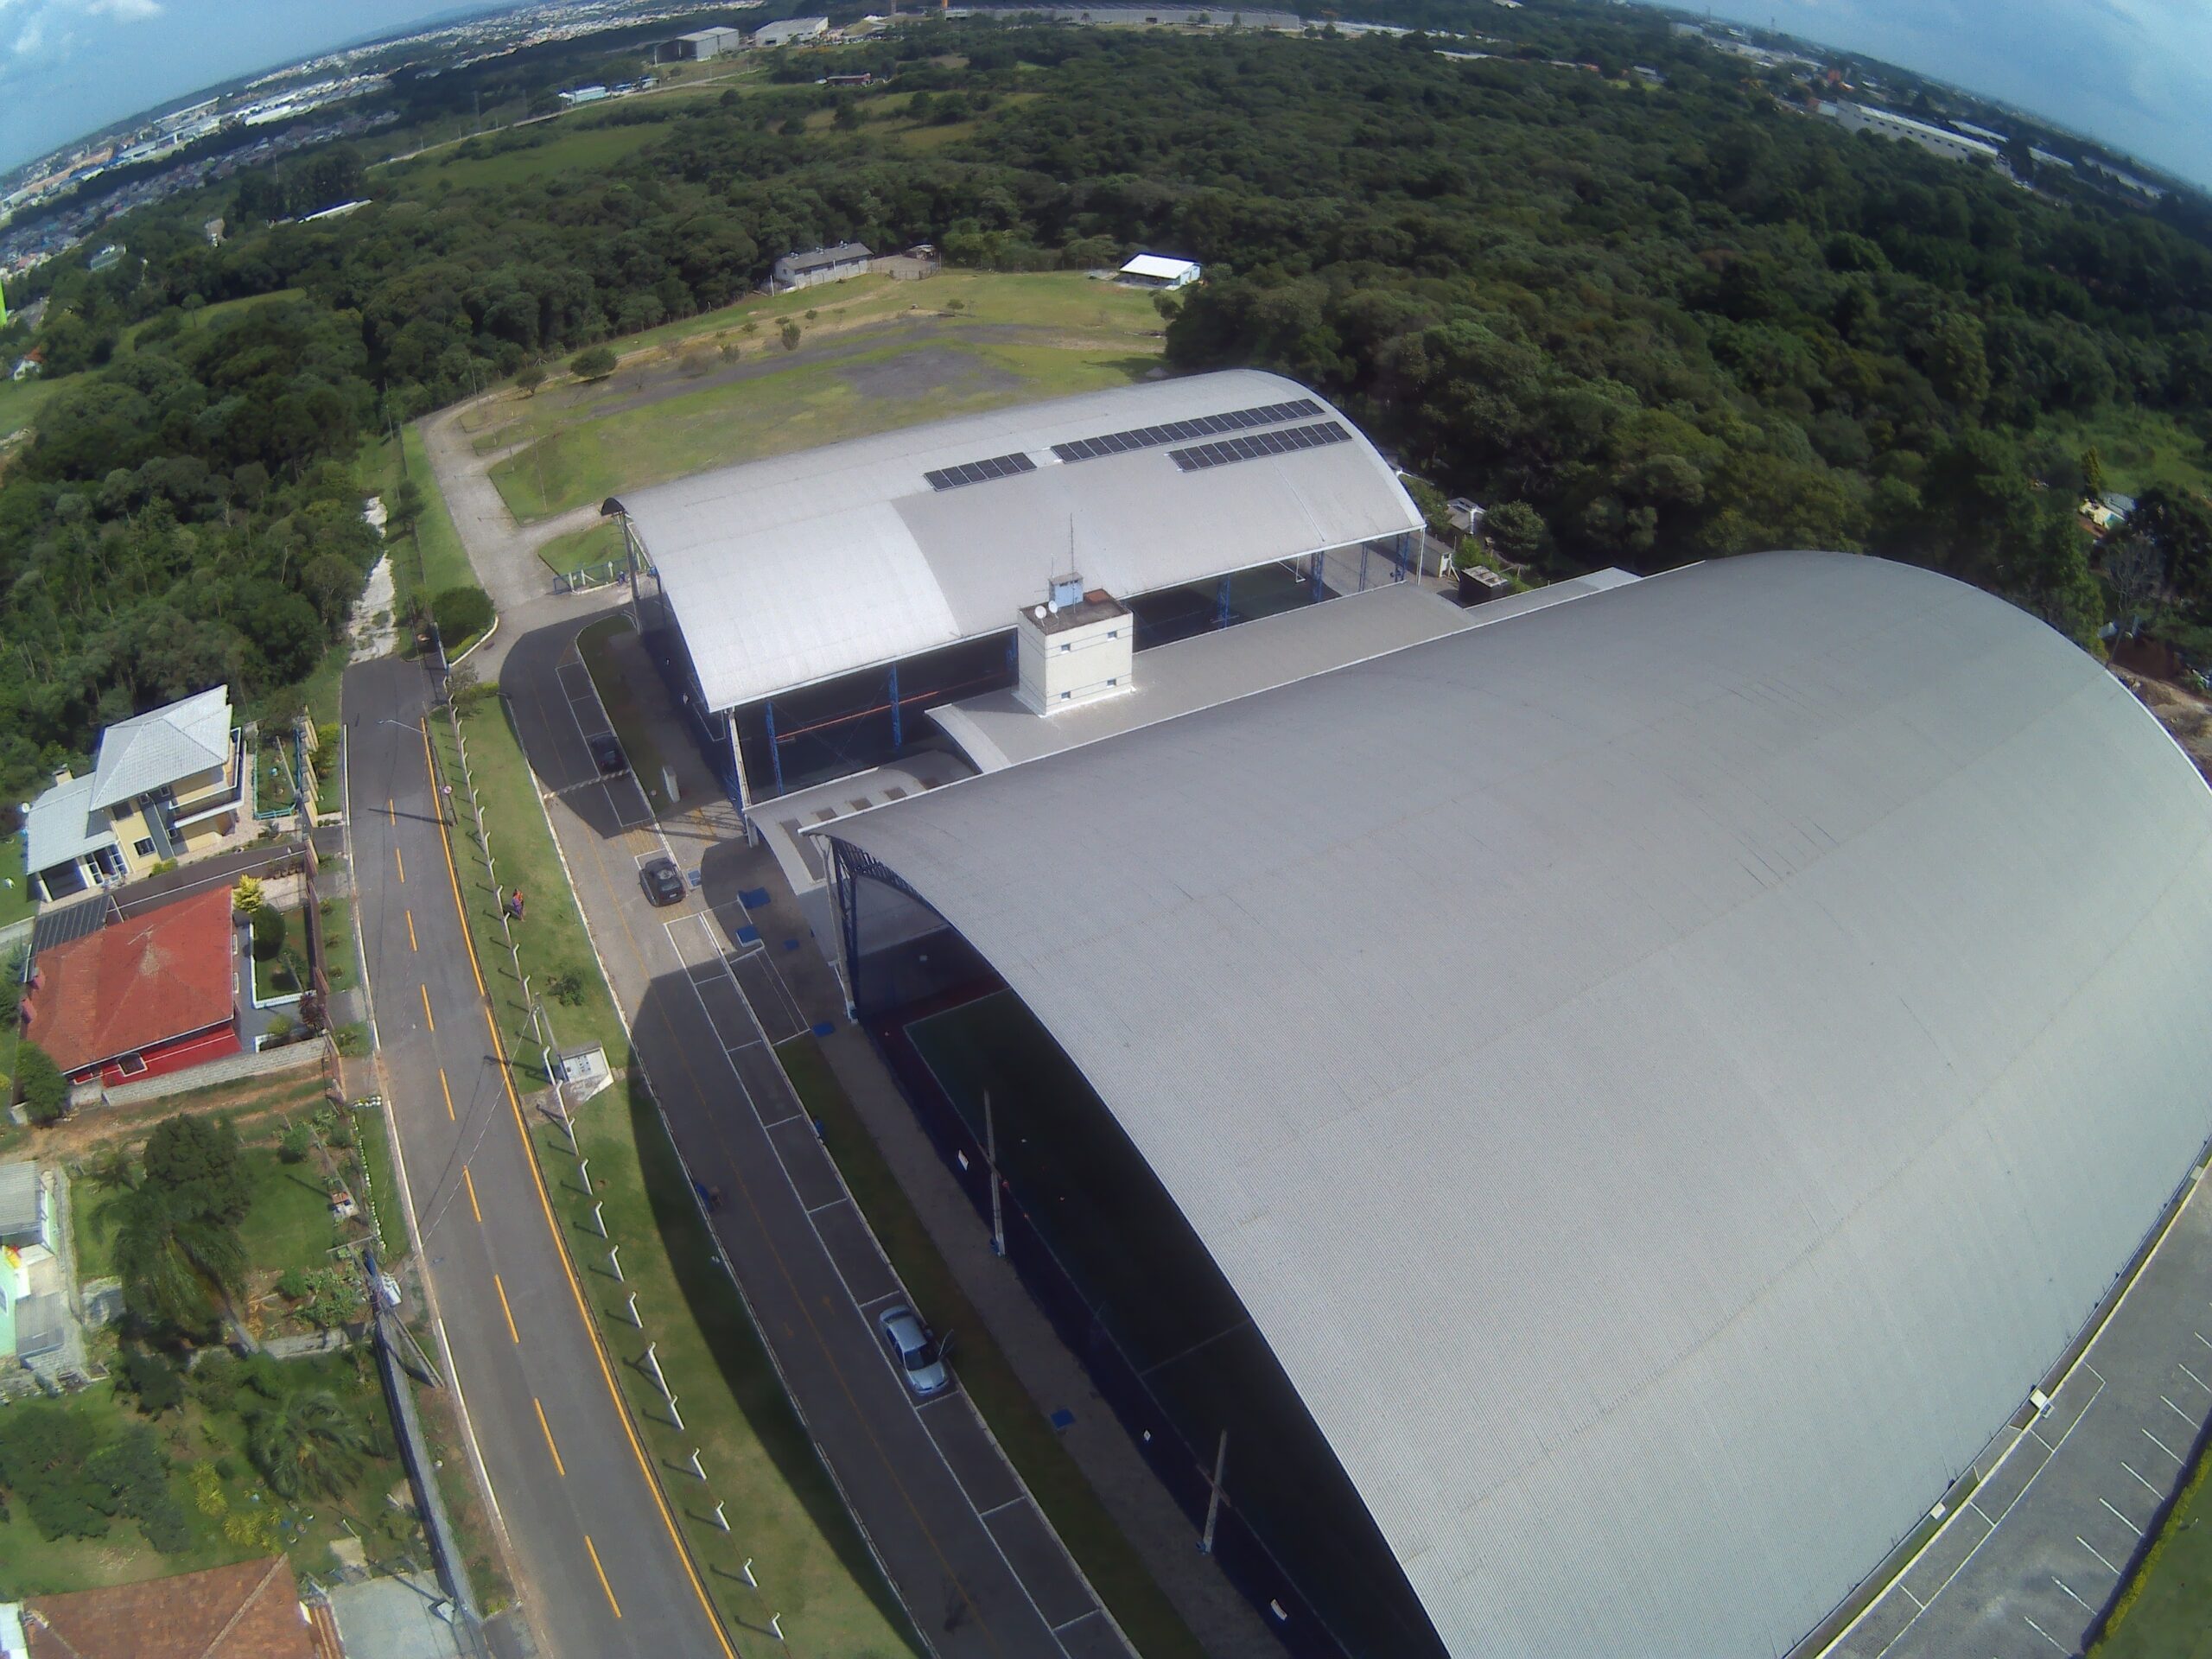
1822,1044
996,729
1158,267
790,29
784,572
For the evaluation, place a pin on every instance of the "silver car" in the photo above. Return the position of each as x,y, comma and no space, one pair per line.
915,1354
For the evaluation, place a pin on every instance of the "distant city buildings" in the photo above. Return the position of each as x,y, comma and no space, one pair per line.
1938,141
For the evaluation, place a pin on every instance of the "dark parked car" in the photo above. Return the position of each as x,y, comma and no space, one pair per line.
663,881
607,750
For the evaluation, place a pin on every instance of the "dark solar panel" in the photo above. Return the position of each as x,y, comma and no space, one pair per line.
1197,459
975,472
1152,437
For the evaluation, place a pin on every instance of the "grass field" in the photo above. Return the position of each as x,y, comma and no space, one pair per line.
2138,446
20,400
979,341
2161,1612
760,1459
432,558
581,548
289,1225
490,162
1113,1567
14,891
213,316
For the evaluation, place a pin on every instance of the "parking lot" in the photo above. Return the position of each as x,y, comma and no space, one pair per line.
2027,1564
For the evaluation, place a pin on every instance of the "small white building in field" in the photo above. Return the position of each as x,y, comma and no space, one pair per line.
791,30
820,265
1157,270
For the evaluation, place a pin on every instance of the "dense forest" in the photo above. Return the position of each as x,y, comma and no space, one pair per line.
1676,320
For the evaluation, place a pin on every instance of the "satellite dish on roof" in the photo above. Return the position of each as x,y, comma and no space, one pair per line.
1053,606
1039,612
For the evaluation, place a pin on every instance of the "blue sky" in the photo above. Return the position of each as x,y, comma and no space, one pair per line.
70,67
2136,74
2133,73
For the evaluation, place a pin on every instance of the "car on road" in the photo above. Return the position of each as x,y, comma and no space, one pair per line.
607,754
917,1355
662,881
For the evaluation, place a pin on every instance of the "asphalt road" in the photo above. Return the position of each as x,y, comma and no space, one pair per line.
600,1572
971,1556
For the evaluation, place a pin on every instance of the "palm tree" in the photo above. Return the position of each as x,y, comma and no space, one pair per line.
309,1444
178,1264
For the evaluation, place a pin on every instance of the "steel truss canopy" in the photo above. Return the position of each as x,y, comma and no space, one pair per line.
795,569
1666,1073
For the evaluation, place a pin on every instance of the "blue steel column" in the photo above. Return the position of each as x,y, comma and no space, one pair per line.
1221,605
847,894
1362,567
1400,549
1318,559
775,754
898,726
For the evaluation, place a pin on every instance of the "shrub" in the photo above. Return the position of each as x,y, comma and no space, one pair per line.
268,933
461,613
567,986
247,898
295,1285
158,1384
46,1091
791,334
594,364
293,1148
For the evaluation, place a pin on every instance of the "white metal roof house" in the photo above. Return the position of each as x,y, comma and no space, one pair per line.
168,783
790,30
817,265
1821,1045
1157,270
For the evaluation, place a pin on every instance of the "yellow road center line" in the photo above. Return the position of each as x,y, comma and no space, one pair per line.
469,1181
390,816
447,1093
499,1284
400,859
568,1268
562,1468
427,1014
609,1588
411,945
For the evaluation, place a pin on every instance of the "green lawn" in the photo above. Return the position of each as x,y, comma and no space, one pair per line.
758,1456
20,400
579,549
290,1224
14,890
338,944
611,680
271,975
383,1183
432,559
209,316
803,406
552,940
2139,447
1105,1556
489,161
2162,1614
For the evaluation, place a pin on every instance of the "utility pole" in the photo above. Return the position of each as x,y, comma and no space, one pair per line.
991,1164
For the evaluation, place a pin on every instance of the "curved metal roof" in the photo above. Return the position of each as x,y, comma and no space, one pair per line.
1666,1073
798,568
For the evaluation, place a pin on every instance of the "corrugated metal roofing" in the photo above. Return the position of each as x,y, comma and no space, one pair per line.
152,750
61,825
794,569
1666,1075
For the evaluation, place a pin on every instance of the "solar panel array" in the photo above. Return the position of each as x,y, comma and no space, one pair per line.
1259,444
975,472
1206,426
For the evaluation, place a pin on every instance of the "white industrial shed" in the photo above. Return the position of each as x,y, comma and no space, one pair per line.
786,573
1822,947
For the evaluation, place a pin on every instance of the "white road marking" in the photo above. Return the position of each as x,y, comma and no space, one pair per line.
2046,1635
1915,1600
832,1205
2162,1446
2146,1485
2071,1597
2122,1519
2179,1412
985,1514
2098,1554
2194,1378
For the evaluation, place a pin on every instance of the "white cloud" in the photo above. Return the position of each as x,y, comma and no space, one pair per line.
30,37
125,10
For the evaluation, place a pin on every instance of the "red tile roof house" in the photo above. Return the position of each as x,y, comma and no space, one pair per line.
248,1611
141,998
